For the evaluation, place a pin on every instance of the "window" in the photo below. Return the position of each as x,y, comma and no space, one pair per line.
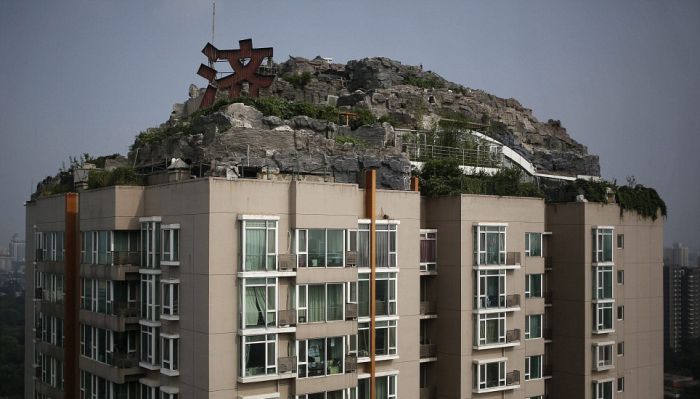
96,343
603,356
320,248
621,384
489,375
150,243
620,241
533,286
621,277
52,247
533,367
149,345
386,303
489,245
39,246
350,393
386,338
320,302
533,326
533,244
603,317
603,390
259,302
148,392
620,349
150,297
259,245
428,250
603,283
166,395
602,251
171,295
170,245
490,287
259,355
321,356
621,312
170,354
386,244
490,328
385,387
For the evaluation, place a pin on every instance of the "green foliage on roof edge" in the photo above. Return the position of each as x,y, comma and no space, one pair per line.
444,178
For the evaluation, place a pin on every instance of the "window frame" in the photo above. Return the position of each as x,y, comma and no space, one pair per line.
271,226
602,234
170,237
528,327
603,275
603,358
481,369
482,319
600,310
268,340
303,363
302,247
528,368
391,334
170,355
271,319
481,233
529,244
529,285
170,299
428,235
481,298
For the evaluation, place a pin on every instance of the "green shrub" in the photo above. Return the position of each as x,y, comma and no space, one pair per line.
123,176
364,117
427,80
349,139
644,200
298,80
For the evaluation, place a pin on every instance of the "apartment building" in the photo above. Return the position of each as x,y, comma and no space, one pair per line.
681,306
256,289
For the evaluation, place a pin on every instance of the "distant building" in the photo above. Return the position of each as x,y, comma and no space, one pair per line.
17,248
678,255
681,305
6,261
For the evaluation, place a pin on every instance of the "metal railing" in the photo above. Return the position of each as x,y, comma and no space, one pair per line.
513,378
287,364
125,309
513,335
428,307
126,258
287,317
489,156
428,350
122,360
287,262
512,300
350,311
350,363
350,258
513,258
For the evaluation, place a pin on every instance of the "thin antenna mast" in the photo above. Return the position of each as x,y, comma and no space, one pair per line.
213,26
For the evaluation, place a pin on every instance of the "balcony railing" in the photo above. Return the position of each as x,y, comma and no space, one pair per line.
512,300
287,262
287,364
428,350
428,307
287,317
125,258
513,378
513,335
486,156
350,363
123,360
350,258
126,309
513,258
548,263
350,311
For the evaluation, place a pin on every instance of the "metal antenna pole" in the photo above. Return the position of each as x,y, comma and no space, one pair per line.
213,19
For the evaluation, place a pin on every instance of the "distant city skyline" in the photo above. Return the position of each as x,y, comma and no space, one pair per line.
86,77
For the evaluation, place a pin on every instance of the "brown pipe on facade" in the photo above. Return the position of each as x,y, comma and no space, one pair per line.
415,186
370,206
70,317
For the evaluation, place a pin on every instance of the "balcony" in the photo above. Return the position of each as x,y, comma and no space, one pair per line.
287,262
350,363
498,303
287,365
513,335
287,317
123,366
428,351
124,265
509,261
513,378
350,311
126,258
513,301
428,308
350,258
126,309
123,360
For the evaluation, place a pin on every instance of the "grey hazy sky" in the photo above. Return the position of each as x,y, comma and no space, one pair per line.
623,76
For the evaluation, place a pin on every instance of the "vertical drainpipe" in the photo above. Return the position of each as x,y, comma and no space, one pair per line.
70,316
370,206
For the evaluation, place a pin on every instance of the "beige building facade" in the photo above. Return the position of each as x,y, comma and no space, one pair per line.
255,289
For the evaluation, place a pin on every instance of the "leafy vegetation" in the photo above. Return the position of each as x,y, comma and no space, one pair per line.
124,176
158,134
298,80
364,117
427,80
351,140
275,106
444,178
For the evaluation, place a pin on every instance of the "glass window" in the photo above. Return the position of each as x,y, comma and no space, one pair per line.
322,247
170,244
621,384
603,283
170,349
428,250
259,302
385,388
620,348
603,317
603,356
320,302
259,245
150,244
386,338
490,288
621,312
490,328
386,303
621,277
602,251
321,356
489,375
603,390
533,286
489,245
259,355
150,297
171,294
533,326
620,241
386,245
149,345
533,244
533,367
